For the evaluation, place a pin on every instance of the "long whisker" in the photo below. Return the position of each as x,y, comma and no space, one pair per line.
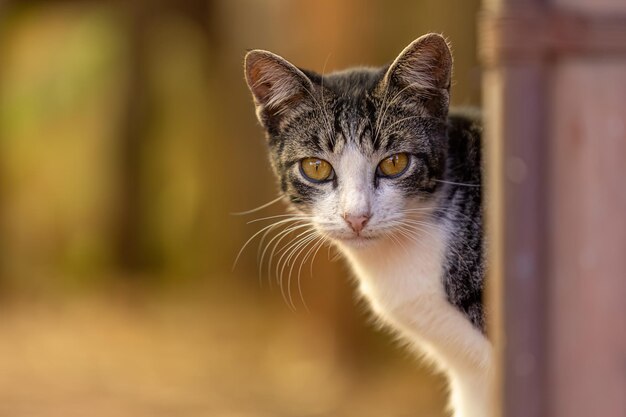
323,106
317,245
382,107
299,250
280,236
423,91
293,249
258,256
261,207
451,211
457,183
421,226
294,216
399,242
387,128
419,210
255,235
416,226
284,249
275,247
391,102
337,254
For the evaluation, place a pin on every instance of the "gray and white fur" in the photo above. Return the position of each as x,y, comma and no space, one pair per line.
414,240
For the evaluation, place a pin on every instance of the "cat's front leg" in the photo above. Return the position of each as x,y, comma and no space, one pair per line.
445,334
471,392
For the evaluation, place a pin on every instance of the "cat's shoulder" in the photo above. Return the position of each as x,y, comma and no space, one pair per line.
465,133
465,121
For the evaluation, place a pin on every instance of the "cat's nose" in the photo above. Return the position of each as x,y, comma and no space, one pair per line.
356,222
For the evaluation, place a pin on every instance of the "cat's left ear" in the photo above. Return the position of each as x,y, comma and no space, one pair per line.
278,87
424,67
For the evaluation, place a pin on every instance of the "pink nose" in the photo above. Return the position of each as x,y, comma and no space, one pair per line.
356,222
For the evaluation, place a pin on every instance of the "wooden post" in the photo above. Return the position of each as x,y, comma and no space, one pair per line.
515,142
556,140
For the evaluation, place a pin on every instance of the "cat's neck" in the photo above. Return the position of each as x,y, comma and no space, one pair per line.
394,269
402,279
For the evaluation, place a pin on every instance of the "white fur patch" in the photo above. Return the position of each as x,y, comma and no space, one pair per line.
405,290
399,266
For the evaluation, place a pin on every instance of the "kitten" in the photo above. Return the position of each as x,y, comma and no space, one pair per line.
371,157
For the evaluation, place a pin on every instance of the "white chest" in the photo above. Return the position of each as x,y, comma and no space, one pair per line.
395,272
403,282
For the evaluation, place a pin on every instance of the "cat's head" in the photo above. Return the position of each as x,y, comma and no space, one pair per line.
358,151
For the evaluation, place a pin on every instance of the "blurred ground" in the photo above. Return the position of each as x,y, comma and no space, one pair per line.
119,354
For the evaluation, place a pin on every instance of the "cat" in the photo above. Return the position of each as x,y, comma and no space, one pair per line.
374,160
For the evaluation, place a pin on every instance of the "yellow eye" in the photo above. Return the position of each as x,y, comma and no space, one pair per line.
393,165
316,170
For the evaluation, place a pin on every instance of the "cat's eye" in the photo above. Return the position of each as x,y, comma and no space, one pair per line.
316,170
393,166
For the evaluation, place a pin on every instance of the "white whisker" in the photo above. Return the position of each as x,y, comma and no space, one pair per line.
255,235
319,245
261,207
457,183
293,216
301,249
294,248
387,128
280,236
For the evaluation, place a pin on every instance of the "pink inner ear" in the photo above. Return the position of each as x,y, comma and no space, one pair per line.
260,88
277,85
263,90
437,60
270,83
426,64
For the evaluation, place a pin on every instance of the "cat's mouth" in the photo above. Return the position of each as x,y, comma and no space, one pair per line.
351,238
357,237
357,240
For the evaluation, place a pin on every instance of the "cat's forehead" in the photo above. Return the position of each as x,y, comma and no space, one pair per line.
328,132
354,82
353,126
349,122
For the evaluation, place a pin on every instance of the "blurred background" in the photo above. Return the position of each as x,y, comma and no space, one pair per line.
127,137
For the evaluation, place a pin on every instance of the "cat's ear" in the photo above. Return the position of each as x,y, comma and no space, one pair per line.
278,87
424,67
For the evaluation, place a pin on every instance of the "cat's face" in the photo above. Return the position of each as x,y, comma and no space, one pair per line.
358,153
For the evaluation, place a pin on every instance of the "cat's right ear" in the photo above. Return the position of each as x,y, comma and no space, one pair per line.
422,71
278,87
